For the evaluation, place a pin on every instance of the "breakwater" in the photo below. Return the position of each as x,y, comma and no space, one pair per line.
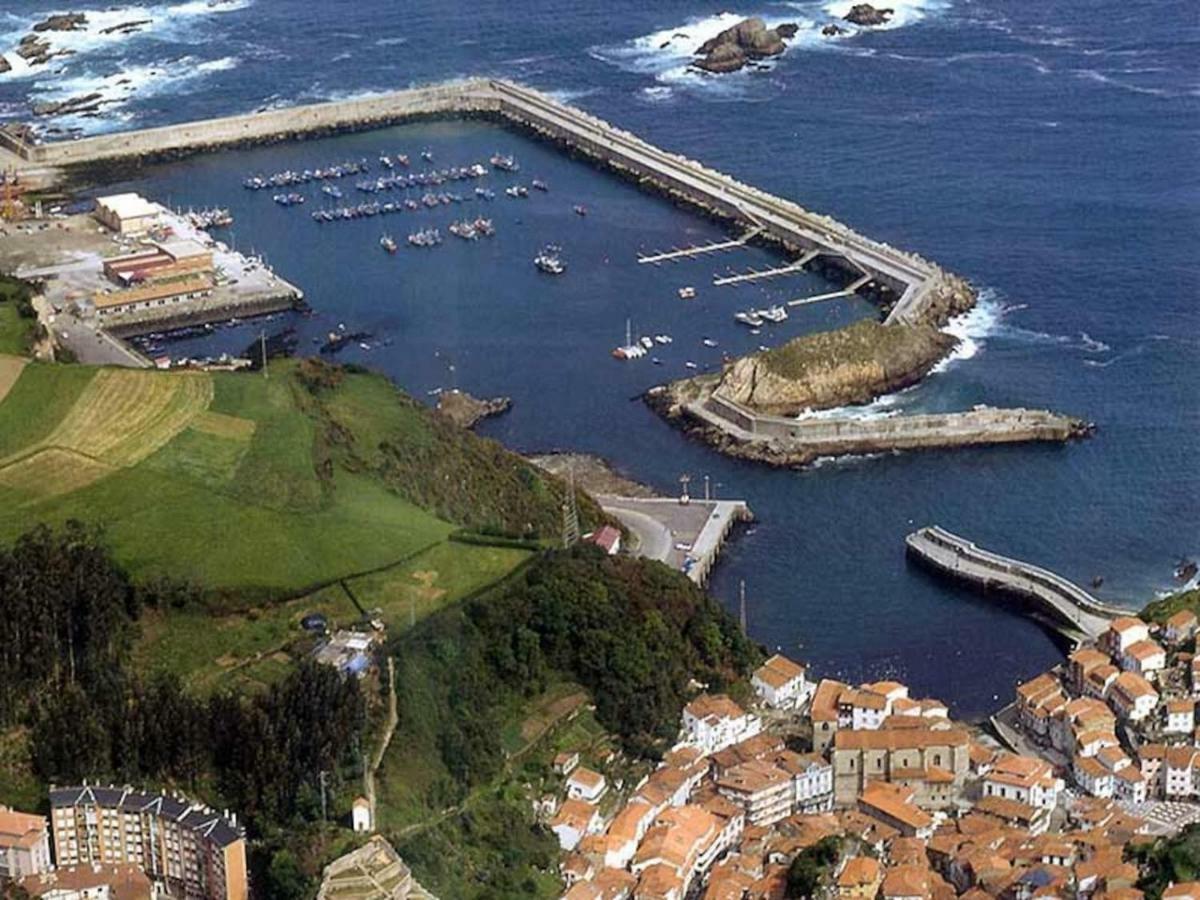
910,287
1056,599
740,431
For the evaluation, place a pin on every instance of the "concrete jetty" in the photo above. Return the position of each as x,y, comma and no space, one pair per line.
1065,604
687,536
788,441
914,286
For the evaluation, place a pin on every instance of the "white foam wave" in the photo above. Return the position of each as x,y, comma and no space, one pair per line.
391,41
972,329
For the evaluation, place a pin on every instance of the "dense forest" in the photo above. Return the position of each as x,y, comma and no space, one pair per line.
70,617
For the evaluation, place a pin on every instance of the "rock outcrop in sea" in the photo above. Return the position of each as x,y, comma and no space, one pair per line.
466,411
867,15
748,40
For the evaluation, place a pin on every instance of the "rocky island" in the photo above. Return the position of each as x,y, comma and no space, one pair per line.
866,15
748,40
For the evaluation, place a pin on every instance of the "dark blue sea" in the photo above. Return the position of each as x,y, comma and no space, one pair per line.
1047,151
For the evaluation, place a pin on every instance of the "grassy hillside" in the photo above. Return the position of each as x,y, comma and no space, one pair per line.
252,486
16,319
1162,609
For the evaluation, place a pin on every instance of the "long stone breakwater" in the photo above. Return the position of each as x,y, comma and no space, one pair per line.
740,431
915,289
1064,604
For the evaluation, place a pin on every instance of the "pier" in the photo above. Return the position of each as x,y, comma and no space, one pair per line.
832,295
685,536
1068,606
912,284
700,250
753,275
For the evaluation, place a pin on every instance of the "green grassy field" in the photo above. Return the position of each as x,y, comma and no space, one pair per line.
14,330
249,486
256,647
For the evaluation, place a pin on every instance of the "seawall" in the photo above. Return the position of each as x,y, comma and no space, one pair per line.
1063,602
914,289
739,431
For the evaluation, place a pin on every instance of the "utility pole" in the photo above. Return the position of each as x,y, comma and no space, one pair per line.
742,605
684,480
262,336
706,491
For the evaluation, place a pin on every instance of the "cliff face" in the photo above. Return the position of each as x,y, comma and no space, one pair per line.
837,368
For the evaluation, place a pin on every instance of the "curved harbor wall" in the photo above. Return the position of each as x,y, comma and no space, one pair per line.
918,287
1063,600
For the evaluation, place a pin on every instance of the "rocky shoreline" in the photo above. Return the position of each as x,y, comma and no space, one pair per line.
593,474
466,411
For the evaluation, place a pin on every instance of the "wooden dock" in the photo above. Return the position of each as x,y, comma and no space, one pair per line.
757,275
1072,609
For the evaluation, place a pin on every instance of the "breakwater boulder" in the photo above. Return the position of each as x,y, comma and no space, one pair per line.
748,40
867,15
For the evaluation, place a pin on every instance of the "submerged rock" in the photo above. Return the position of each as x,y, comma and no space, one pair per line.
833,30
748,40
465,411
867,15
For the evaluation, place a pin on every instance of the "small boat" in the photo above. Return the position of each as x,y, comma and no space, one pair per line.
388,243
662,339
484,226
749,317
774,314
331,190
580,209
401,159
549,262
709,342
691,365
646,342
465,230
631,349
504,163
517,190
538,185
427,155
484,194
687,293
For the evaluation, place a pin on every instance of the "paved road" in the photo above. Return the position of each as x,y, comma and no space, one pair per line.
653,537
90,345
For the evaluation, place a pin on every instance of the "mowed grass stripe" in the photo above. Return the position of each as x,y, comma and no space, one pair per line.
42,396
123,416
52,472
10,371
225,426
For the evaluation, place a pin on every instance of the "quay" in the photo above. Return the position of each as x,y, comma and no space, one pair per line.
687,536
699,250
799,441
1063,603
915,287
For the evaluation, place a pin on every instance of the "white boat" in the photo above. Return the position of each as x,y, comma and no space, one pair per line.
691,365
709,342
687,293
662,339
774,314
646,342
548,261
630,349
749,317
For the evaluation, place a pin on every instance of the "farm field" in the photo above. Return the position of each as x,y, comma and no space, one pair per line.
253,648
250,488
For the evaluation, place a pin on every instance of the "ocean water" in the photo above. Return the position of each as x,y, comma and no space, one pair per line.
1045,151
